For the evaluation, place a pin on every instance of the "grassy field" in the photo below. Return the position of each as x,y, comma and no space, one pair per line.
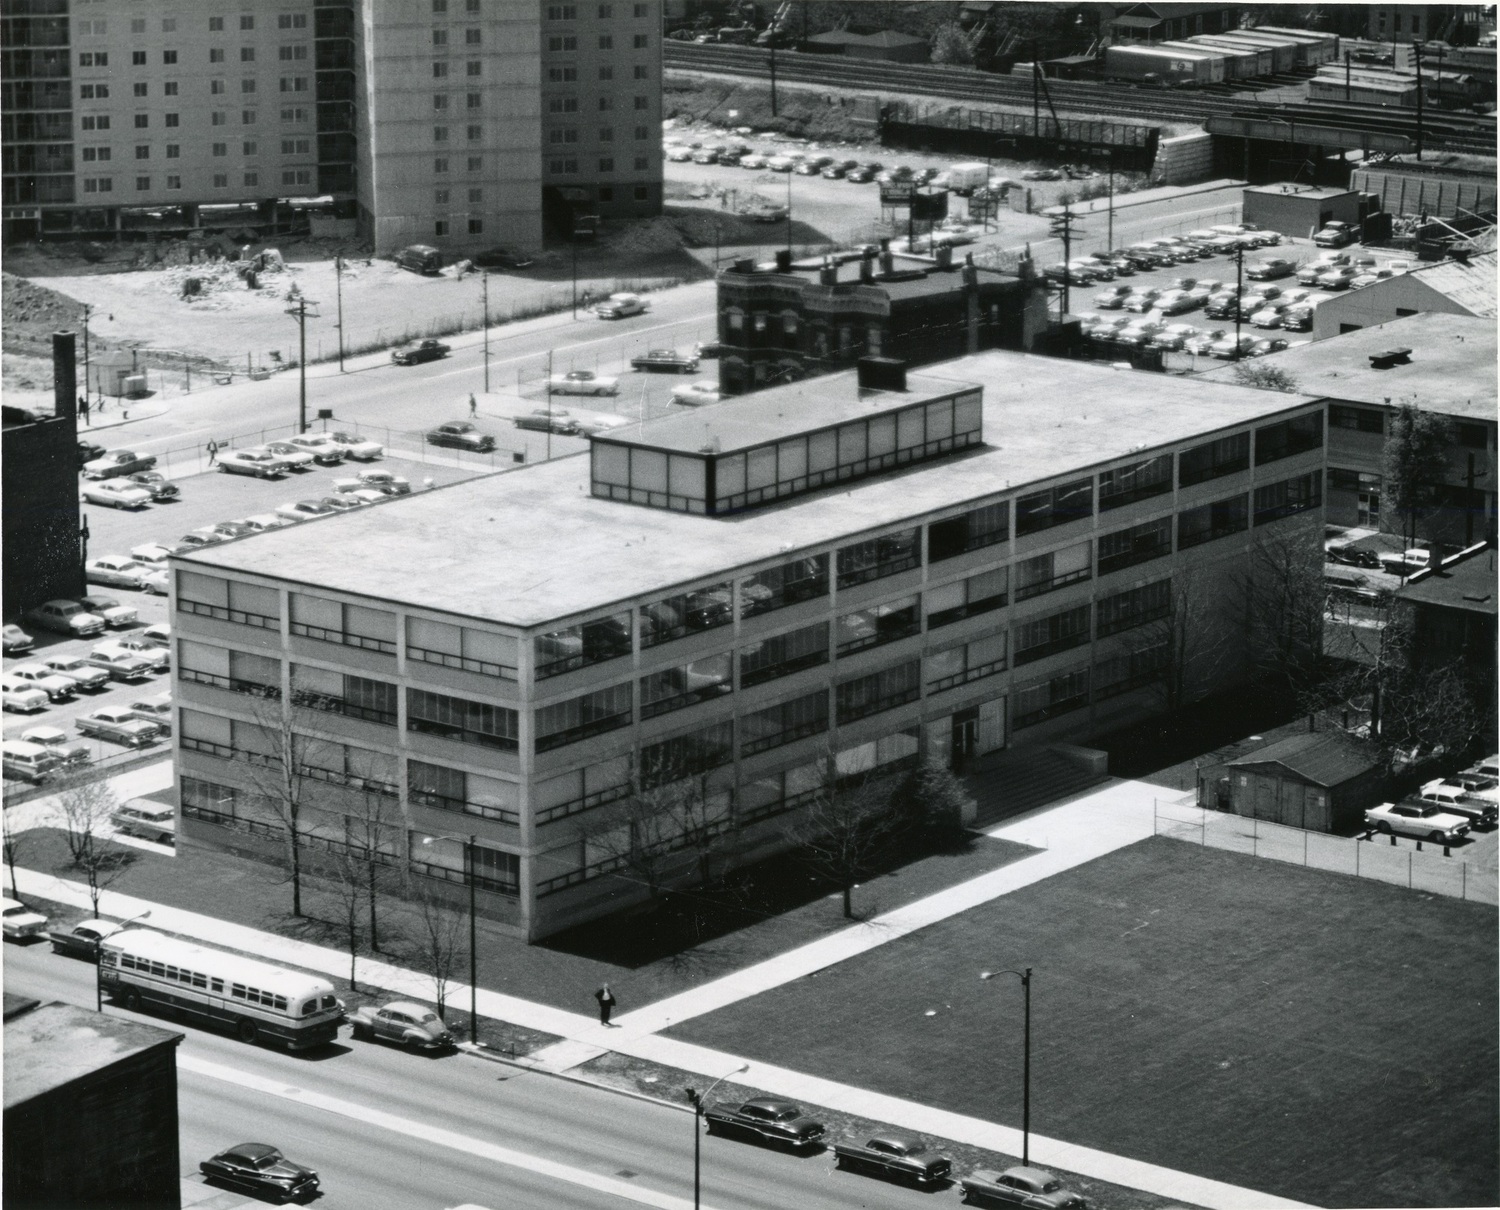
1304,1034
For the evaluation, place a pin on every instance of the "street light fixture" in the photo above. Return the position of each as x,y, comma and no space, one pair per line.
699,1099
472,841
1025,978
98,946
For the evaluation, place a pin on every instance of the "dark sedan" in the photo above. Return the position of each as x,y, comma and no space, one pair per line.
261,1168
1032,1188
766,1120
501,258
895,1155
461,435
157,484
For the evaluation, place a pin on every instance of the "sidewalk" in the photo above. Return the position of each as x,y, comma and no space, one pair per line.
1144,197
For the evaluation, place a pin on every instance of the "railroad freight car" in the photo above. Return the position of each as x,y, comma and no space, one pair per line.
1148,64
1237,66
1261,55
1321,48
1284,53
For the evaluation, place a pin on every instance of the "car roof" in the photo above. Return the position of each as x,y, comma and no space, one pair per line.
251,1151
406,1006
775,1103
1035,1174
897,1138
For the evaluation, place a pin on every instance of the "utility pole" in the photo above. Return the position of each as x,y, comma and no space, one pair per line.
789,213
572,239
549,405
1239,289
1348,72
87,311
1062,225
484,280
338,272
301,314
773,74
1417,46
1036,94
1110,242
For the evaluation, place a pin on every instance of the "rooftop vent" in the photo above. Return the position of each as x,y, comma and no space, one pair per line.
882,374
783,260
1387,358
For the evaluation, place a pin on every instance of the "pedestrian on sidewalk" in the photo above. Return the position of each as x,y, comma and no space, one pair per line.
213,450
83,408
473,405
606,1000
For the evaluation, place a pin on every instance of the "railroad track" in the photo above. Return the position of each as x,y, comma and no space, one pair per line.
1455,132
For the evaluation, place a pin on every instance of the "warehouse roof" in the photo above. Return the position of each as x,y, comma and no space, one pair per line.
1324,760
533,545
1466,581
1451,367
1470,283
53,1045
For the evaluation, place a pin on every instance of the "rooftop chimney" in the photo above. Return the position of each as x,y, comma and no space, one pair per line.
64,375
829,274
867,265
943,254
783,260
882,374
887,260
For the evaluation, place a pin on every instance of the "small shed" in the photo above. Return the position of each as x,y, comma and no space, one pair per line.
1321,782
890,46
1299,210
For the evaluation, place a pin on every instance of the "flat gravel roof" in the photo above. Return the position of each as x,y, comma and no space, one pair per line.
530,546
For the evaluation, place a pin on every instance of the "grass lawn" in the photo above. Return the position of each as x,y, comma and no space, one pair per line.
1240,1019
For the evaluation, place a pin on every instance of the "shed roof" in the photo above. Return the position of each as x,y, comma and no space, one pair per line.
1471,283
891,37
1466,581
1324,760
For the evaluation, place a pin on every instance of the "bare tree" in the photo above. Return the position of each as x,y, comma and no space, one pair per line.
15,842
86,807
1286,598
345,867
846,828
1195,640
281,785
373,833
1414,464
438,937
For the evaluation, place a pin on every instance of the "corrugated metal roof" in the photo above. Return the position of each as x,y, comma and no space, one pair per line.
1324,760
1471,285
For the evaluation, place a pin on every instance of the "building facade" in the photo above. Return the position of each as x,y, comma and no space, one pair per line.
822,579
1449,287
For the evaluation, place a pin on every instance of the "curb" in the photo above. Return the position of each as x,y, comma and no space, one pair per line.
483,1052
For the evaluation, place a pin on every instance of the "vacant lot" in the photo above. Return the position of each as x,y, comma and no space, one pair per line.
1309,1035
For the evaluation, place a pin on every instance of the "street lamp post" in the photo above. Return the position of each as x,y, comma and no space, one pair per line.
1025,978
338,272
698,1099
472,843
484,323
98,982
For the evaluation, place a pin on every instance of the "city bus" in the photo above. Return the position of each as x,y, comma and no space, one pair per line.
146,970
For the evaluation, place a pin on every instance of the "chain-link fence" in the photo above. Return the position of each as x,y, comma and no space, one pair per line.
1407,863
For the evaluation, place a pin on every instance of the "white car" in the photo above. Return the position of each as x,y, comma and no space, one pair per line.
20,922
116,571
754,160
156,708
66,617
1420,820
156,553
84,675
1174,336
387,482
116,493
304,510
356,447
251,462
159,633
583,382
39,676
1272,315
600,422
618,306
19,696
261,522
696,394
679,154
324,449
159,657
295,457
115,615
121,665
56,741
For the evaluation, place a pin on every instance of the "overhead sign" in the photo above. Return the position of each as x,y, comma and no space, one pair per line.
897,193
929,207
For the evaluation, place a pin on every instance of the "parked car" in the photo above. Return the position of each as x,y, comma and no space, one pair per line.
294,457
304,510
115,615
414,1026
416,354
154,553
264,522
1368,277
1173,337
159,632
1228,348
461,435
58,688
1270,268
16,640
116,463
695,394
1336,279
347,502
1200,344
765,1120
1108,327
360,449
420,258
618,306
83,939
69,753
1457,798
65,617
895,1155
158,655
28,762
260,1168
116,493
679,154
600,422
160,487
583,382
1141,298
501,258
1176,302
1419,820
199,538
1068,274
77,669
388,482
1098,270
1267,344
666,359
260,463
1032,1188
118,571
20,696
1113,298
120,665
545,420
146,819
1334,234
19,922
119,726
1139,332
88,451
1272,315
1309,273
324,449
1042,174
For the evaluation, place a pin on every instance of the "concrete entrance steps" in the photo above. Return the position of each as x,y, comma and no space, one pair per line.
1016,780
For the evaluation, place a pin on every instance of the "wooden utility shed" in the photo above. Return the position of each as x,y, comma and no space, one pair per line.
1319,782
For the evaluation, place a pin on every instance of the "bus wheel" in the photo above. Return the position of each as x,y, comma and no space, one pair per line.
132,999
247,1030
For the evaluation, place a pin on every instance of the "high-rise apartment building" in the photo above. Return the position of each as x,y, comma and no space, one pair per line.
431,121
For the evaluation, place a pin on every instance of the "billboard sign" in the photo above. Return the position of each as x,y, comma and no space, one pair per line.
897,193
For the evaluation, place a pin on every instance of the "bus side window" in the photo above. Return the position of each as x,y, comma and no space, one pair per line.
310,1007
127,961
159,969
280,1002
237,990
199,980
217,986
171,973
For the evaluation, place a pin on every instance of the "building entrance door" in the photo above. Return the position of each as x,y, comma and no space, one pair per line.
1369,509
965,736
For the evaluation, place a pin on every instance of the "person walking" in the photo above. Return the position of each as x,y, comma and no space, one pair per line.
213,450
473,405
606,1000
83,409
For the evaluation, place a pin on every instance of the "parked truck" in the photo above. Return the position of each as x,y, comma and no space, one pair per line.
1150,66
963,179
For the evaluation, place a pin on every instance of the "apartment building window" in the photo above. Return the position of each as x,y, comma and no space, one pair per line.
216,88
469,864
339,693
476,197
606,164
471,37
606,42
883,690
682,756
1129,670
584,716
1055,506
216,54
1049,699
562,104
1138,544
462,720
777,587
293,83
439,6
247,54
169,57
1287,498
218,118
440,164
642,132
1210,521
562,75
784,723
558,42
1139,481
474,100
174,182
138,25
291,53
672,689
606,134
643,103
296,146
471,6
586,643
247,117
876,558
294,114
439,101
291,21
140,90
439,71
606,11
142,183
783,654
474,133
137,58
93,58
439,134
215,25
455,790
297,176
642,41
562,167
252,179
962,663
174,150
440,37
440,227
562,12
1364,420
169,89
1473,436
91,154
641,10
247,85
476,226
1041,637
221,149
475,163
221,180
969,598
641,72
247,21
1046,573
94,122
1134,607
879,624
973,530
91,92
1213,460
440,198
1295,436
142,121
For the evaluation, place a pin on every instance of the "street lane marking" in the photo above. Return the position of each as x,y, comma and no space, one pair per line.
433,1134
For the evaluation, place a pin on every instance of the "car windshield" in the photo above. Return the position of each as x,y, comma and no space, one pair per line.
428,1018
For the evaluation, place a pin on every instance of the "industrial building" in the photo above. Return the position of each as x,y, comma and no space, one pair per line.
1449,287
729,607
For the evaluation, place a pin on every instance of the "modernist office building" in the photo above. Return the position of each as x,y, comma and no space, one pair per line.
424,119
954,562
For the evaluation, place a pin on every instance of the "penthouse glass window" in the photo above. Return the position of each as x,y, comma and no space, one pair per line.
1294,436
783,654
1363,420
1287,498
883,623
1056,569
583,716
346,765
1055,506
777,587
876,558
950,603
466,793
979,527
965,662
652,477
237,671
680,756
1050,698
686,685
458,861
581,789
1139,481
883,690
1128,670
335,622
338,693
1138,544
1040,637
1210,521
1134,607
1213,460
581,645
450,646
686,613
228,600
465,721
784,723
